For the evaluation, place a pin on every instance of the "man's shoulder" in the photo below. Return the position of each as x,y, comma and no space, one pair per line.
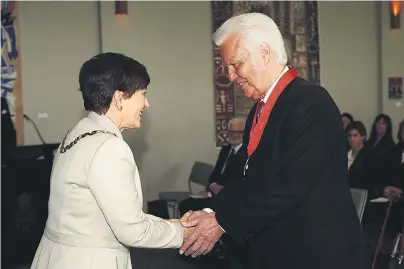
303,91
300,86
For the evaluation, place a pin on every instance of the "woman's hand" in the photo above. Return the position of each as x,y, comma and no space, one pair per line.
183,220
185,217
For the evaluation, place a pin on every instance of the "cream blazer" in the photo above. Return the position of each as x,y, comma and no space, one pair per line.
95,204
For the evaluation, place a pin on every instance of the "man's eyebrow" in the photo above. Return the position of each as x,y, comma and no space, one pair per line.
231,62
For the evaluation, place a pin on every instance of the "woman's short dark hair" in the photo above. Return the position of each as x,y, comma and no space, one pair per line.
104,74
358,126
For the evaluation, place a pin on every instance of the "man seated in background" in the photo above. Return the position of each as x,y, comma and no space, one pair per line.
357,155
229,167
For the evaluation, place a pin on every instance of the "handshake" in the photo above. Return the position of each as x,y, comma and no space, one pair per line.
201,232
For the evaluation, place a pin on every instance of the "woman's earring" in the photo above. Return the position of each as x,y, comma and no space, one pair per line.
120,108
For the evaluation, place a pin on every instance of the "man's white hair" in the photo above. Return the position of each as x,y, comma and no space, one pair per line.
253,29
235,121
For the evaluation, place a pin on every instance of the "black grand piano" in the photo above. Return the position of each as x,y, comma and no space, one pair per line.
25,182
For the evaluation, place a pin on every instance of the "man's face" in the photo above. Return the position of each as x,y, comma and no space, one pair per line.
245,69
235,133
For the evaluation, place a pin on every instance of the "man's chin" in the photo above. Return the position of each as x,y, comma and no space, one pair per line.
251,94
248,95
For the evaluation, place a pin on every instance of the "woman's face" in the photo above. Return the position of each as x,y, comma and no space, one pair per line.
346,121
381,126
132,109
355,139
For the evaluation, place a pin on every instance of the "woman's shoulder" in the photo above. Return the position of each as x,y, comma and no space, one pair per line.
113,145
93,137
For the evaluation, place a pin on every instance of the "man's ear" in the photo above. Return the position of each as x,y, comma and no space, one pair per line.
265,51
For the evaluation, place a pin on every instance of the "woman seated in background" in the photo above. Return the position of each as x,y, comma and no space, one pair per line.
356,133
380,144
346,120
396,180
396,161
95,203
390,179
381,136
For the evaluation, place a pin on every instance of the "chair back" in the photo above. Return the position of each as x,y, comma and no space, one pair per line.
200,174
359,197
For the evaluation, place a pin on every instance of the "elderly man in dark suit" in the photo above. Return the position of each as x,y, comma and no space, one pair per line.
294,207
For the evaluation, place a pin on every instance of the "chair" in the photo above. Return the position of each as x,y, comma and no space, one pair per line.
199,174
359,197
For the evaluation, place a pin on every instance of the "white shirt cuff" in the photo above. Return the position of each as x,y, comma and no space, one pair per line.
212,184
208,210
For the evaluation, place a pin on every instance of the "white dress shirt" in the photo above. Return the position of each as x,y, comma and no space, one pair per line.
265,99
351,158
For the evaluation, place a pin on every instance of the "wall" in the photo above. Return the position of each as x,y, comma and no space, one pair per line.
56,38
173,40
348,61
392,63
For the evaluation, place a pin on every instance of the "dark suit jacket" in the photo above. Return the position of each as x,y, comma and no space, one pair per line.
379,166
357,172
294,207
234,167
396,167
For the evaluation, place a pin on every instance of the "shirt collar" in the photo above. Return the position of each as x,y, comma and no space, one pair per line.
105,122
236,148
265,99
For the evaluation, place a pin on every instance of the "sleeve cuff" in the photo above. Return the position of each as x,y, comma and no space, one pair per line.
212,184
208,210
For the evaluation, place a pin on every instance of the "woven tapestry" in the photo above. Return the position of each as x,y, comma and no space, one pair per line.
297,21
10,66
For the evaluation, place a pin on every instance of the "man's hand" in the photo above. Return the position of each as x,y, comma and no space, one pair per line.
204,236
216,188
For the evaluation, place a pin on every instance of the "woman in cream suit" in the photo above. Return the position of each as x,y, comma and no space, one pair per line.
95,203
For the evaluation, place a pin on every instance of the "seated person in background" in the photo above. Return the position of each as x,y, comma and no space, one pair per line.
395,179
346,120
229,167
380,144
392,181
356,133
396,161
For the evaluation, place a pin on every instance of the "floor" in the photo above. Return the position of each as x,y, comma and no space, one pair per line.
167,258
